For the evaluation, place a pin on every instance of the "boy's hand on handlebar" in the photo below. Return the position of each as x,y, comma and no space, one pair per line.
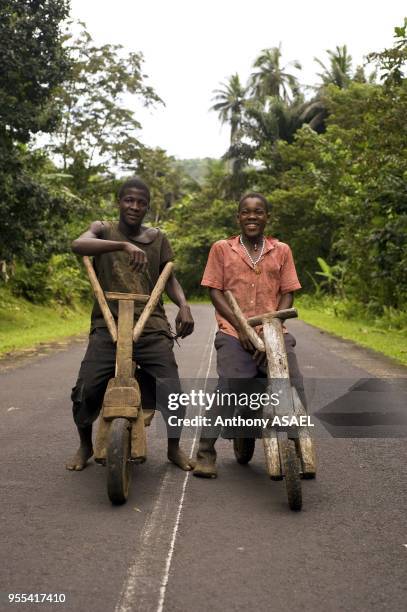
184,323
260,358
137,257
245,341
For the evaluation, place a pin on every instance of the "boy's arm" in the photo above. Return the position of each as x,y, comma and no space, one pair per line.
286,301
221,305
223,308
92,243
184,323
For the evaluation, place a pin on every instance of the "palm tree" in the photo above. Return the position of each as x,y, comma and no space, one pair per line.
229,104
360,76
272,79
339,71
314,112
279,121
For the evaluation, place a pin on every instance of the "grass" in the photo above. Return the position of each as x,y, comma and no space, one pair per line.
377,334
23,324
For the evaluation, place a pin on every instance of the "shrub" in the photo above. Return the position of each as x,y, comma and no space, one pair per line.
31,282
62,279
67,280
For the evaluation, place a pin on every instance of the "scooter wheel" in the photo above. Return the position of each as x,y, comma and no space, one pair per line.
244,449
292,476
118,461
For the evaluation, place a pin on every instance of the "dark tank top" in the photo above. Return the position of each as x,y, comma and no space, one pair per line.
115,274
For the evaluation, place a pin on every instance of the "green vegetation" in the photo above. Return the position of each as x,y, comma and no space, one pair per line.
333,167
380,334
23,324
333,164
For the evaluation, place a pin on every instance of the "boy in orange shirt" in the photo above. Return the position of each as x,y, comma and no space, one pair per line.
260,272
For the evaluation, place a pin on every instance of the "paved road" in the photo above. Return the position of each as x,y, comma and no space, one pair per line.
181,544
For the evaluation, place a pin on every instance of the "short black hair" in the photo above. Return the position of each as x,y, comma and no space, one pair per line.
134,183
259,196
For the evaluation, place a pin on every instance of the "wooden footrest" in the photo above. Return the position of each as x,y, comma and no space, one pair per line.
138,440
125,412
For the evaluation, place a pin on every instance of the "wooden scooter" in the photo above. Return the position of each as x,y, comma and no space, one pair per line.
289,454
121,436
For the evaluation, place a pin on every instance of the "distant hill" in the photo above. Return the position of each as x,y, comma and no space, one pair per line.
195,168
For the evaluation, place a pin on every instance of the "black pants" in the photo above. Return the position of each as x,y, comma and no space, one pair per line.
153,353
234,362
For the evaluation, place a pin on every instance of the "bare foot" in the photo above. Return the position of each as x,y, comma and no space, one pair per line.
179,458
80,458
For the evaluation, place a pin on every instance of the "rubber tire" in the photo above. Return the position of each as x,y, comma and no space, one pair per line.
244,449
292,477
118,462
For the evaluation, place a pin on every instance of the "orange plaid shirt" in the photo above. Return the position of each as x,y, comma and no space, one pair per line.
229,268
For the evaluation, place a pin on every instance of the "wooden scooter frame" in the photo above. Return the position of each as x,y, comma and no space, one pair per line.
122,399
276,443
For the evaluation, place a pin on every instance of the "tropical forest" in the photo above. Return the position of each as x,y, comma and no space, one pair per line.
330,157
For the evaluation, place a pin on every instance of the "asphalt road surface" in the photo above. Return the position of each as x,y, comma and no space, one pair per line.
183,544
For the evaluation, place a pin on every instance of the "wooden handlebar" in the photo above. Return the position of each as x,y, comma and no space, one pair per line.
153,300
289,313
135,297
253,337
100,297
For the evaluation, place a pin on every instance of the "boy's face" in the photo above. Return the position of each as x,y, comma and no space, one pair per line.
252,217
133,206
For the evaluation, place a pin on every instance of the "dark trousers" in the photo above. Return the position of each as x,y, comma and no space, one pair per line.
153,353
233,362
238,373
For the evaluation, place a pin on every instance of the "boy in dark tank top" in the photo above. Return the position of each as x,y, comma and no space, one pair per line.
128,257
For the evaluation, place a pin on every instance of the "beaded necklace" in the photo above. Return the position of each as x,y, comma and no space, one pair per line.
254,261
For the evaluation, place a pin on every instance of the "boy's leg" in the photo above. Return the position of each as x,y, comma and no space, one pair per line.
154,353
233,362
97,367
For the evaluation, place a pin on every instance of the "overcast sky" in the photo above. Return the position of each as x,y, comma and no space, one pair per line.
190,46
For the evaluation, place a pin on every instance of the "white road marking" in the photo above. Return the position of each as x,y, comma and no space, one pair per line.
141,578
12,408
177,520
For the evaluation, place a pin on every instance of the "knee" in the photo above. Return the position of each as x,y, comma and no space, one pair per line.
86,404
290,342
